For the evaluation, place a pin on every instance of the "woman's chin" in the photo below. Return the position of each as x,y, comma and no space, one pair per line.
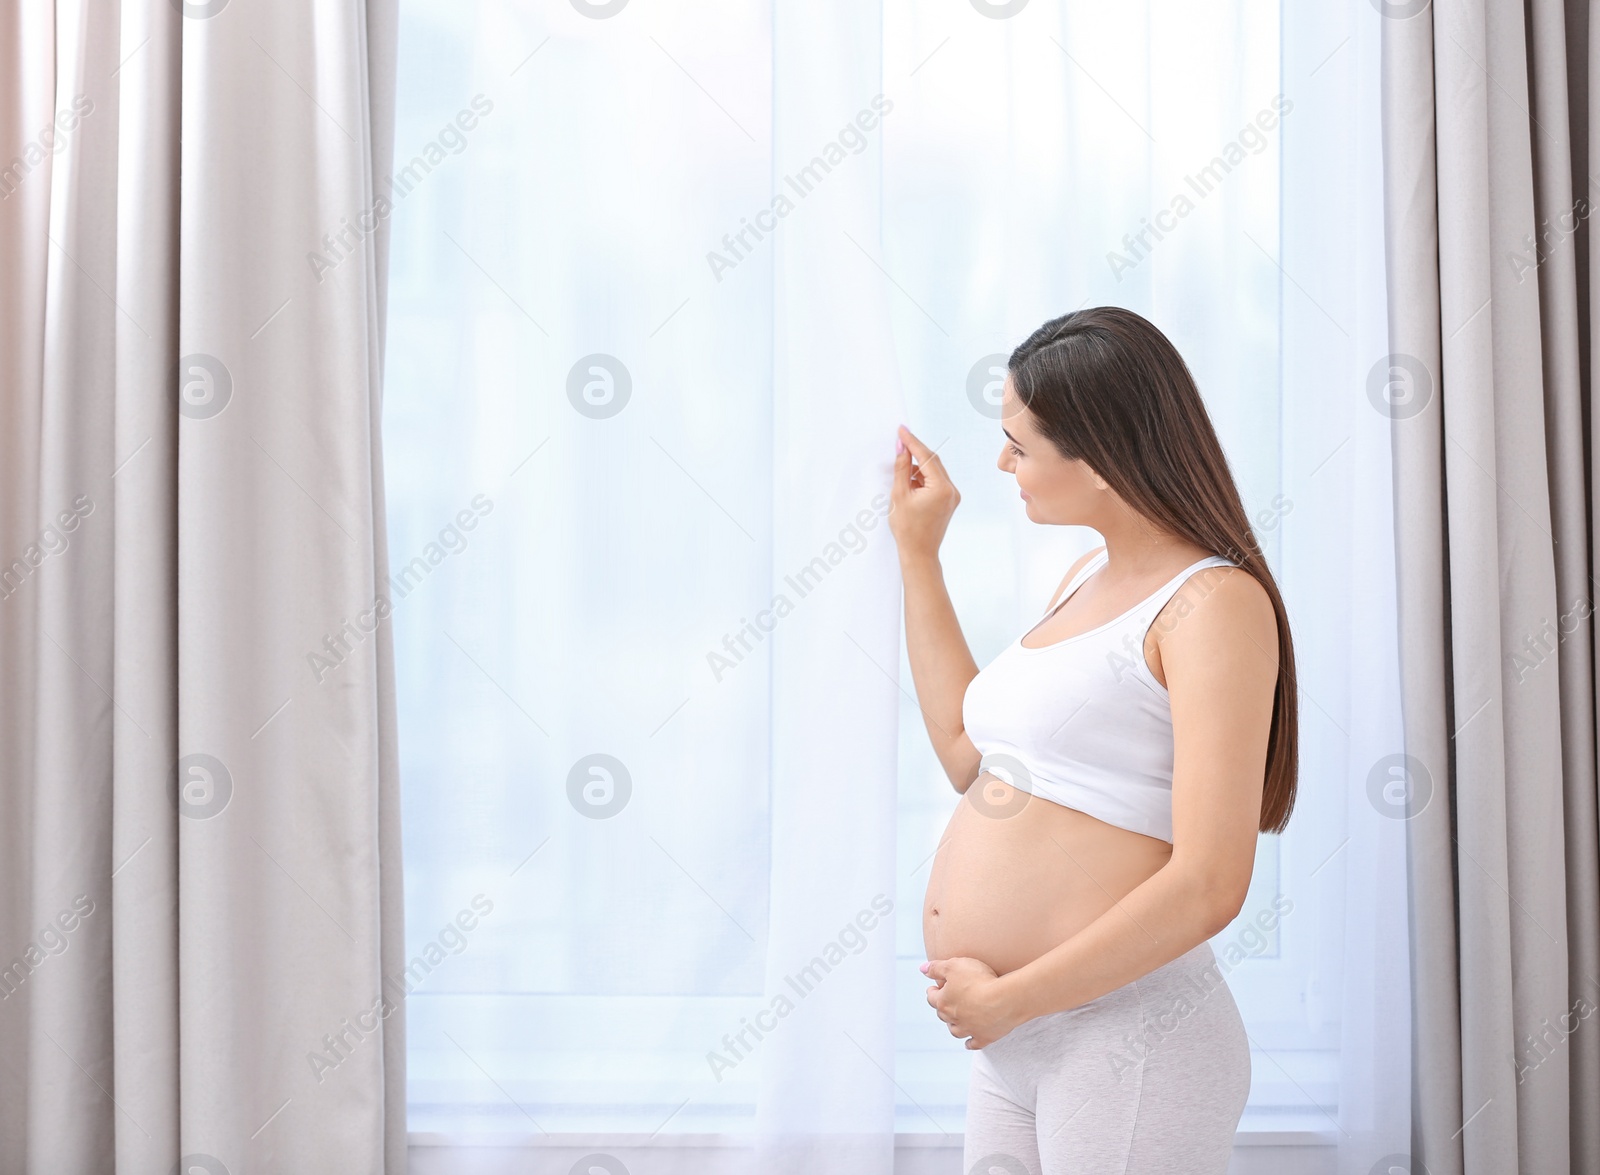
1037,513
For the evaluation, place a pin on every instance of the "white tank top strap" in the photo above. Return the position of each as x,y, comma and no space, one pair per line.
1153,605
1073,584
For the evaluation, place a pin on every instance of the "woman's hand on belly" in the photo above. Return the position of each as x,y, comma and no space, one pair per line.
970,998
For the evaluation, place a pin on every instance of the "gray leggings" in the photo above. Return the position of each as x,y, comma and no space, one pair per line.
1150,1078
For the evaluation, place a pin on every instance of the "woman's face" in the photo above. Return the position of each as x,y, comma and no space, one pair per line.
1056,489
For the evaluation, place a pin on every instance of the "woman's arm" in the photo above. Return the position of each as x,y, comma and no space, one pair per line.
1221,665
941,665
922,501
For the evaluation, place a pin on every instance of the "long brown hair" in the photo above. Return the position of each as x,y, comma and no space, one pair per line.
1111,390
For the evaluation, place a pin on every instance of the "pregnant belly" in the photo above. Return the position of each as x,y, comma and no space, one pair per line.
1016,876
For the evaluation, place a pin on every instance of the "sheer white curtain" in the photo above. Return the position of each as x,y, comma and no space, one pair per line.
1029,155
826,1100
1339,393
664,401
650,697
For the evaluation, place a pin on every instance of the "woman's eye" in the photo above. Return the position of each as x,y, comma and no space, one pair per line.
1016,452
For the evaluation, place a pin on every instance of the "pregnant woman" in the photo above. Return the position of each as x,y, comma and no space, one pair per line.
1115,763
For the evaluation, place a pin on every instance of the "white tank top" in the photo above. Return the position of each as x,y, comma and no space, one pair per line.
1083,722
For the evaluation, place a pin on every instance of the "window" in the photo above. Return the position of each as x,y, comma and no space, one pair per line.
577,425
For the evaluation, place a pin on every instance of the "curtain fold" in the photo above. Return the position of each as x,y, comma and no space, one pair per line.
1337,571
146,1012
1559,99
1495,571
827,1092
201,846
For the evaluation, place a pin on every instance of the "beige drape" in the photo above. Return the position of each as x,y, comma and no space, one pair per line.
1487,114
199,842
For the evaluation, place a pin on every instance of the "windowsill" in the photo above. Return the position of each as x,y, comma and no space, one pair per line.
1296,1131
